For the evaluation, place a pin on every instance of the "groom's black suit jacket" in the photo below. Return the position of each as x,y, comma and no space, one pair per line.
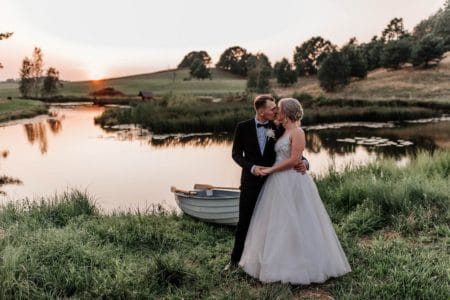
246,152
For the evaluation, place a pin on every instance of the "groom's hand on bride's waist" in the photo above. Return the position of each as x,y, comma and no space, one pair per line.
302,166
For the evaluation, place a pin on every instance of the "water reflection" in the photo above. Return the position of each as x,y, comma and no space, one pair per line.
190,140
55,125
396,142
129,167
37,132
6,179
344,142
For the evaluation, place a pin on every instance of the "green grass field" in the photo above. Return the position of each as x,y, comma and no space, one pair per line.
159,83
17,109
393,223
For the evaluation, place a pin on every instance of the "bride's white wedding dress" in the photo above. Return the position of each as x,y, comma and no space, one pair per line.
291,238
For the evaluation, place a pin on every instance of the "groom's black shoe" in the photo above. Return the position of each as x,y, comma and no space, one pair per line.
231,266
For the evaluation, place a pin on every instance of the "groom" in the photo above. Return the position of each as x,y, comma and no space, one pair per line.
253,148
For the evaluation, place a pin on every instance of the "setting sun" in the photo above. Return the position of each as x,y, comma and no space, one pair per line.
96,74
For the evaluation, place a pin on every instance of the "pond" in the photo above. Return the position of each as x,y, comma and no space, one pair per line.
128,168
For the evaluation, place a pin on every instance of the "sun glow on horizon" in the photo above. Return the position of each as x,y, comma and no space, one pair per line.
96,74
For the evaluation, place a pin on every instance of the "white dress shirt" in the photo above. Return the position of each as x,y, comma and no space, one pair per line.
262,138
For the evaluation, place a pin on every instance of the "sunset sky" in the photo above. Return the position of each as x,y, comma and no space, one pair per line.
91,39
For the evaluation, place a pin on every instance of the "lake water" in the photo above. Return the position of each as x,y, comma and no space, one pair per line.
130,168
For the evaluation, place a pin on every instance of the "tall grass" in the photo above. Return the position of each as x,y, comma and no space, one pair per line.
393,223
183,113
416,198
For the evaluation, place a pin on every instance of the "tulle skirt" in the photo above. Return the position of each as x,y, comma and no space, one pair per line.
291,238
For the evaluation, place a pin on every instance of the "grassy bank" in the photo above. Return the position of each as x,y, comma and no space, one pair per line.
18,109
393,224
187,114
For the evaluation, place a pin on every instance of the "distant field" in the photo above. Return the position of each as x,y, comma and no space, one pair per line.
406,84
159,83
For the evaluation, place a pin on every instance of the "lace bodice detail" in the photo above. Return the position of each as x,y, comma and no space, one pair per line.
283,148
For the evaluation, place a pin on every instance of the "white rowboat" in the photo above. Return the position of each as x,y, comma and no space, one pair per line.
210,205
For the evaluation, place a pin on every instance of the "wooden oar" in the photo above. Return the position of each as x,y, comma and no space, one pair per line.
175,190
200,186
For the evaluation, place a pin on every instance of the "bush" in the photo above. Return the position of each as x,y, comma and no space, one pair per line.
107,92
305,99
357,62
429,49
284,73
199,70
334,72
258,79
372,53
396,53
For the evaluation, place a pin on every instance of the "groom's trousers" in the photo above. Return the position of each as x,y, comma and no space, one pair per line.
247,203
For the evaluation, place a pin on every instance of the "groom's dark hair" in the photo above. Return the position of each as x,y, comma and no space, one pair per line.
260,100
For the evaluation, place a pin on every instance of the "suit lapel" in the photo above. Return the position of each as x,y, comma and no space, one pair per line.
269,141
254,136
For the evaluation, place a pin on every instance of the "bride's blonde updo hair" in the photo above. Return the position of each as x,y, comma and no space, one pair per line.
291,108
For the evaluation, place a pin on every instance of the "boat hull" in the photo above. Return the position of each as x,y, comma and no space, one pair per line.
222,207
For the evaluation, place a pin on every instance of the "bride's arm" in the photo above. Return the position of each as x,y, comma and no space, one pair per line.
297,147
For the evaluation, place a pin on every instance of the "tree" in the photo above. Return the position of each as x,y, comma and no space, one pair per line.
26,80
192,56
37,69
4,36
199,70
437,24
259,71
372,53
429,49
394,30
234,60
442,25
424,27
284,73
258,60
309,56
51,82
334,72
396,53
356,59
258,79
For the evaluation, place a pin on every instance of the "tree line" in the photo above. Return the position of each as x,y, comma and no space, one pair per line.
334,66
33,82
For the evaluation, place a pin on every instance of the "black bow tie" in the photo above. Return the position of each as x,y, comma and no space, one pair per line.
265,125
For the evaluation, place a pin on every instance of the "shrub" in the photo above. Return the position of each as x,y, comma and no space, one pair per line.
396,53
429,49
334,72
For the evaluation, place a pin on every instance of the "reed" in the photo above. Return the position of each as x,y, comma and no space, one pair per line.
187,114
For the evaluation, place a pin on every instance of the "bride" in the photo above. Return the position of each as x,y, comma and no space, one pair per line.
291,238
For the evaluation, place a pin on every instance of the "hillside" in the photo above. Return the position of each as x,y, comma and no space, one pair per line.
407,84
157,82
